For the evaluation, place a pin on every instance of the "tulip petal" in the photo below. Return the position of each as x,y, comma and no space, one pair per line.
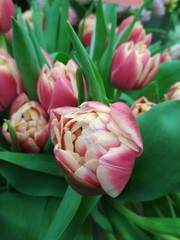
125,119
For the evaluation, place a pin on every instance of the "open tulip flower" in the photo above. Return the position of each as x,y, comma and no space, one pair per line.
96,145
30,123
10,80
57,86
132,66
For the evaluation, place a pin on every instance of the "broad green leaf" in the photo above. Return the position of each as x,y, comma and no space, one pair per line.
64,215
33,183
86,206
40,162
80,86
20,216
26,59
101,220
156,171
99,37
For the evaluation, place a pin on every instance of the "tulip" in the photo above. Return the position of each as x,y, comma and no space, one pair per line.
87,25
72,16
7,11
30,123
132,66
175,51
96,146
141,106
57,86
10,80
137,34
173,92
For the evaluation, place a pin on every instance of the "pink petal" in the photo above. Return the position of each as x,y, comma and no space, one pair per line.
126,121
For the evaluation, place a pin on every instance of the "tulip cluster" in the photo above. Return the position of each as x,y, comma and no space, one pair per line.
97,142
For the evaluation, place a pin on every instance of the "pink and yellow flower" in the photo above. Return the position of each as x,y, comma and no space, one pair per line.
57,86
96,146
132,66
30,123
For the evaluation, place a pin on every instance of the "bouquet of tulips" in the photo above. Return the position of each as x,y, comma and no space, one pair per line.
89,120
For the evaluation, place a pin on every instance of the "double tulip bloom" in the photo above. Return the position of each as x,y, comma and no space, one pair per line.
30,123
96,146
141,106
10,80
57,86
132,66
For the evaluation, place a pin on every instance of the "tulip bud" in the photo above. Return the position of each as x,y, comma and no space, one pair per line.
7,11
87,25
132,66
137,34
141,105
30,123
10,80
173,92
96,146
57,86
72,16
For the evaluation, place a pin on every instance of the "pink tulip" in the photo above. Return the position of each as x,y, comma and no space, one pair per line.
141,106
72,16
57,86
137,34
7,11
96,146
133,67
87,25
10,80
30,123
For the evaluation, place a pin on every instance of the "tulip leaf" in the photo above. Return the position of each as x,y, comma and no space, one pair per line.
33,183
64,214
86,206
63,41
102,220
99,37
158,226
26,59
14,145
122,225
50,31
95,84
156,171
44,163
21,216
80,86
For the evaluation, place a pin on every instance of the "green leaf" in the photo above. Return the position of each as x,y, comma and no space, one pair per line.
80,86
99,38
51,25
40,162
20,216
156,172
65,213
26,59
33,183
95,84
169,226
63,41
86,206
102,220
14,145
123,225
